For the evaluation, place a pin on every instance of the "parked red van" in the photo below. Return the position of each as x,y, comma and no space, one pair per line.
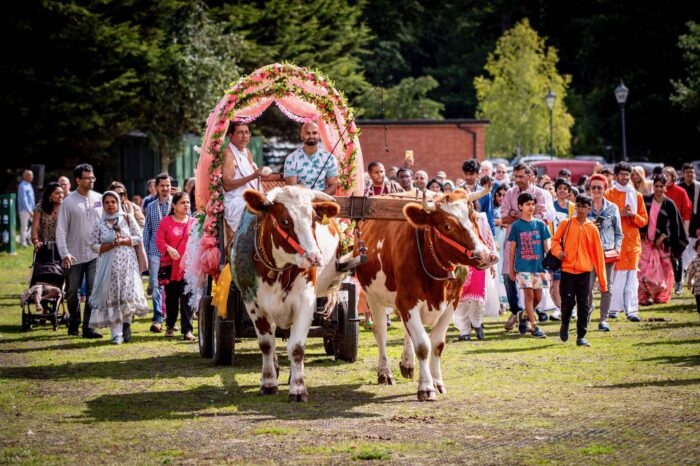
578,168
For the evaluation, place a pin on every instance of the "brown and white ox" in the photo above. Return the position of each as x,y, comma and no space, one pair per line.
283,257
410,269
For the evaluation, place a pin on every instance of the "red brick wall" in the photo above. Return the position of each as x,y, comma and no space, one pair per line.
435,147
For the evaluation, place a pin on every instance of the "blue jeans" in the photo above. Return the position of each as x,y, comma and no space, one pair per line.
153,266
511,293
75,277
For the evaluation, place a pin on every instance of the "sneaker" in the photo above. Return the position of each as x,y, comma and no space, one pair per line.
612,315
118,340
510,323
188,336
538,333
542,316
679,288
480,333
582,342
564,331
522,322
603,327
634,318
556,314
170,332
176,328
156,327
574,315
464,337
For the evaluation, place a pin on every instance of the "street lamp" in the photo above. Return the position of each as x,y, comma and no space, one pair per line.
550,99
621,93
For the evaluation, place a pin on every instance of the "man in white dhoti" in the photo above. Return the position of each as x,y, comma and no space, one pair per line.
239,172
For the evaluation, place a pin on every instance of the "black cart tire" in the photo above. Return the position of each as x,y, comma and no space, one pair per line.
348,330
205,316
223,343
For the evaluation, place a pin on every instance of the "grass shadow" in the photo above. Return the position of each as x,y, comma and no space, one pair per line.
686,361
670,342
326,402
659,383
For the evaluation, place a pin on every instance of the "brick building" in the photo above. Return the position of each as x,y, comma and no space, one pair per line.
436,144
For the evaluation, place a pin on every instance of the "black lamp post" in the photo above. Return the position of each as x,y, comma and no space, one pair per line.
621,93
550,100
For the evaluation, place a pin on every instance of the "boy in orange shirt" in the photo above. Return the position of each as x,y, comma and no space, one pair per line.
582,252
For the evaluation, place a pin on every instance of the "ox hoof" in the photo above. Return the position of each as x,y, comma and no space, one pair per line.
406,372
268,390
426,395
298,398
440,387
385,379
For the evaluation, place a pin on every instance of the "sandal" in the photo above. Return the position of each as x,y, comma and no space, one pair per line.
367,324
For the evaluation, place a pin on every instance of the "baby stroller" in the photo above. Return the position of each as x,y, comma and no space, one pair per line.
42,300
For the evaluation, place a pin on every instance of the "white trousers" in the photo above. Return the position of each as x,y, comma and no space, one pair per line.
689,253
625,287
469,314
24,218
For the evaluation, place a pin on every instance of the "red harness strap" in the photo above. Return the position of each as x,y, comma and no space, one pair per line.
291,241
453,243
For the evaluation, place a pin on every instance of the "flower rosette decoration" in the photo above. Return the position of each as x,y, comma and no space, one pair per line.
301,94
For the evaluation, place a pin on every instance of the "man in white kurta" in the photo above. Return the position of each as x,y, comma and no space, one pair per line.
239,172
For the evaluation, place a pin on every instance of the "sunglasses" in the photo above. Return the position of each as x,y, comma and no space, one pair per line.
121,193
597,188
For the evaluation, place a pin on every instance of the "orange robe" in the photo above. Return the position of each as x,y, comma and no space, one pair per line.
631,243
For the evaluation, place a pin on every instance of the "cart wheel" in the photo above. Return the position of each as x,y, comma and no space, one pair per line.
348,331
329,345
223,341
204,319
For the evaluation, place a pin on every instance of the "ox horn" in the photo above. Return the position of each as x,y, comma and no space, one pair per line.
479,194
321,196
428,207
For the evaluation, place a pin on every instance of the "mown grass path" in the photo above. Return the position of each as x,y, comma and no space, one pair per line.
632,398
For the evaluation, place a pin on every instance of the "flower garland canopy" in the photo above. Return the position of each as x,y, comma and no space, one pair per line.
301,94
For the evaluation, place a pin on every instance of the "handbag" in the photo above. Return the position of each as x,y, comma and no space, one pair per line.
141,256
551,261
611,256
165,271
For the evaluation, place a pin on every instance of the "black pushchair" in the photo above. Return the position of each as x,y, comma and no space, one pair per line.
46,290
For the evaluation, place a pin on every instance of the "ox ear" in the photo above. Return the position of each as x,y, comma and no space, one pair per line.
327,209
256,201
416,215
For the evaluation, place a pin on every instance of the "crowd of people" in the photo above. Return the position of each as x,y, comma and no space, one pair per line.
632,235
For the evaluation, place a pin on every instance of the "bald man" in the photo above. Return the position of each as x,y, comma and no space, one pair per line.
64,183
310,165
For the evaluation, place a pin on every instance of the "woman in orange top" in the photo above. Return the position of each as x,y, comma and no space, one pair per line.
582,253
634,216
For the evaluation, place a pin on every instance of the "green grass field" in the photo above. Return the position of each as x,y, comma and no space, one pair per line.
632,398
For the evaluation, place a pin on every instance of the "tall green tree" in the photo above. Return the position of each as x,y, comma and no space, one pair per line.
521,71
325,34
187,72
406,100
687,90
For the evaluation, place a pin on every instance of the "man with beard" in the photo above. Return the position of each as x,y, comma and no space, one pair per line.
379,183
310,165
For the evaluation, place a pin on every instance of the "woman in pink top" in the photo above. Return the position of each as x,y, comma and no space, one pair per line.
171,240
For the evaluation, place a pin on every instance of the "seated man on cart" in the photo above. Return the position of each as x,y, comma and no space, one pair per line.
239,173
310,165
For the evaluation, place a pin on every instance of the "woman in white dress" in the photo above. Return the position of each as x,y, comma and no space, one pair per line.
117,295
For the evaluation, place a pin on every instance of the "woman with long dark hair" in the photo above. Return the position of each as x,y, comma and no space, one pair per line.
46,215
171,240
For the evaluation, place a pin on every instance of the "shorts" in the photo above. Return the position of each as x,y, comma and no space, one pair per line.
534,280
556,275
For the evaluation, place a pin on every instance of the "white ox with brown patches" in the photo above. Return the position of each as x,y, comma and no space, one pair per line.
283,257
409,268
